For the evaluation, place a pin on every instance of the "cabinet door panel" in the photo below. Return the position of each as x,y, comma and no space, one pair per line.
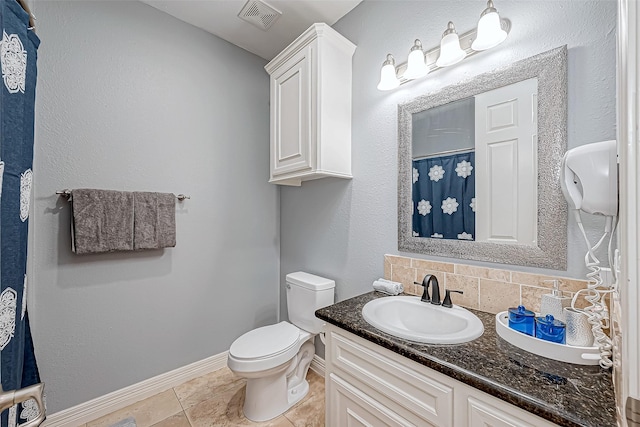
483,414
350,407
485,411
422,395
291,111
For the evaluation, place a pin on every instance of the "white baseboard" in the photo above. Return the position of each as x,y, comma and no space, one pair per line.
103,405
317,365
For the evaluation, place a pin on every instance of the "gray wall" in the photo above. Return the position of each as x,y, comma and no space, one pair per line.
341,229
130,98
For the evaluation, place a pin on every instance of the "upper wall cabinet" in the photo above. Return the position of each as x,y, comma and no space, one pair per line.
311,108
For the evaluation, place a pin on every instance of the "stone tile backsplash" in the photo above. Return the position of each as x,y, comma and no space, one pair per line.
486,289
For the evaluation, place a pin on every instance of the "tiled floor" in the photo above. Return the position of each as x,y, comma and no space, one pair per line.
216,399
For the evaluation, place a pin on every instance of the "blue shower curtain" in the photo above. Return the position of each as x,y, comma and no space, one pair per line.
444,197
18,55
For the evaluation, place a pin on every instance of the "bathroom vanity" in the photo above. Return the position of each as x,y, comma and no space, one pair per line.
373,378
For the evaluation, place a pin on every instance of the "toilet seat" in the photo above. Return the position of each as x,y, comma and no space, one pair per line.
264,348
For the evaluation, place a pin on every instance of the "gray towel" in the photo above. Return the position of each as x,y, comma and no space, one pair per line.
154,220
102,221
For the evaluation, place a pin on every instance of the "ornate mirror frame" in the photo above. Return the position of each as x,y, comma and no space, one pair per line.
550,68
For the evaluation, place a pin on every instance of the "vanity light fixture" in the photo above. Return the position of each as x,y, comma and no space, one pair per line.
450,51
491,31
416,63
388,78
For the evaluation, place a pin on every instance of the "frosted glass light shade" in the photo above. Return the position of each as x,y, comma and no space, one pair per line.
416,65
450,51
490,32
388,78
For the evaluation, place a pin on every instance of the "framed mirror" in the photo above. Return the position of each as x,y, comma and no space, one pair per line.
479,167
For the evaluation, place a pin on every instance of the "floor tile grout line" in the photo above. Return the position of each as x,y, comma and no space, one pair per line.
184,410
188,418
171,415
179,401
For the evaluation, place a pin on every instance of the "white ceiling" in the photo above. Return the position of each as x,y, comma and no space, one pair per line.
220,17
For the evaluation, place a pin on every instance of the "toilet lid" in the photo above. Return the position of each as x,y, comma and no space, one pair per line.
266,341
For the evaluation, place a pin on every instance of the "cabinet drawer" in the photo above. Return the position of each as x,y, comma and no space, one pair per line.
351,407
392,381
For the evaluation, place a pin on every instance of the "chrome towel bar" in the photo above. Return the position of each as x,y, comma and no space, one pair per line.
67,193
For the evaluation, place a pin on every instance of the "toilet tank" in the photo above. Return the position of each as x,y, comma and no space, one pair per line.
306,293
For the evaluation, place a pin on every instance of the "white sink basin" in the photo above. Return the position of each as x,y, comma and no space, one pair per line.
409,318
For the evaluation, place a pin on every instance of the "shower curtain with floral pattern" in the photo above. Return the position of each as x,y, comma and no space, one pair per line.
444,197
18,54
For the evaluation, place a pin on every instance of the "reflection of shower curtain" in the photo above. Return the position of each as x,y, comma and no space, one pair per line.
18,51
444,197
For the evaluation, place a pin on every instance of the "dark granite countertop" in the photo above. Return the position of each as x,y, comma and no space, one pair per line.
563,393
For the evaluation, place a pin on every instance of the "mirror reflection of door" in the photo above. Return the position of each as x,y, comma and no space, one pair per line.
475,167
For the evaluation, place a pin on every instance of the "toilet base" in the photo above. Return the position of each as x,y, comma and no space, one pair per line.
282,387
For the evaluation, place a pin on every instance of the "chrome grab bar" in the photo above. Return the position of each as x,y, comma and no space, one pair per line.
10,398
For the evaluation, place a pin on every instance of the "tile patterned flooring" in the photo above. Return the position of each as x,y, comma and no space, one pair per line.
215,399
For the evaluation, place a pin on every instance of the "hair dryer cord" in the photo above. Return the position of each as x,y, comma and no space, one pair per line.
596,293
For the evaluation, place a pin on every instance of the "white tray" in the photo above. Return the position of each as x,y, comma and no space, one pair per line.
551,350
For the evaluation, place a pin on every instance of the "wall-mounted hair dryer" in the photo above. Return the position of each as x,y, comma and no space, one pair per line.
589,181
590,178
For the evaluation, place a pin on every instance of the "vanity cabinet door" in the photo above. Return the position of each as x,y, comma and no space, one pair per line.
349,406
479,409
291,115
422,399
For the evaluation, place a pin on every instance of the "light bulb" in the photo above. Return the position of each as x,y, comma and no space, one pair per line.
450,51
490,33
388,78
416,65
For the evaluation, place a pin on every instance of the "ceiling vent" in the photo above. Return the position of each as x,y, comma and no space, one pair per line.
259,14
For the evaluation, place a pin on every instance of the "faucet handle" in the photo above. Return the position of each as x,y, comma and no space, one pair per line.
447,297
425,293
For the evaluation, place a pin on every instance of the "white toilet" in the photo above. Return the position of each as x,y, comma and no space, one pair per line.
275,359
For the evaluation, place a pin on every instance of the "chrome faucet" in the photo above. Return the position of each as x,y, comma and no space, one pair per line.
432,280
